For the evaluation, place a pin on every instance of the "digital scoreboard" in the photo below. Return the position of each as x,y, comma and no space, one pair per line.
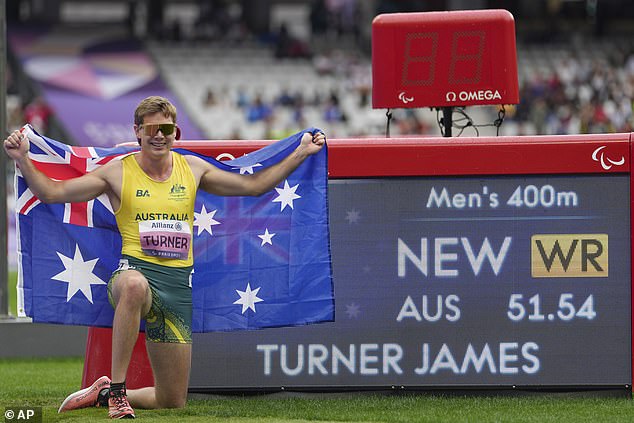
443,59
472,262
499,262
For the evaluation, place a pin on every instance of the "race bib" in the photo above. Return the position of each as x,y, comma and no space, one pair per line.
165,238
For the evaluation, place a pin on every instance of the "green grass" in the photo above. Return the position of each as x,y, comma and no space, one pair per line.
46,382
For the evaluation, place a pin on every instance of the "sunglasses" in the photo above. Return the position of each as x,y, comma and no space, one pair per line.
151,129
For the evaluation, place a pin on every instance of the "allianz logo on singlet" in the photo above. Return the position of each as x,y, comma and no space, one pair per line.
167,225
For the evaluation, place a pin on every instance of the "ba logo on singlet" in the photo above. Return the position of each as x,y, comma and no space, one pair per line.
142,193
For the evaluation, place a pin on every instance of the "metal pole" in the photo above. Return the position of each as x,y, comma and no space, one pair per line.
447,120
4,265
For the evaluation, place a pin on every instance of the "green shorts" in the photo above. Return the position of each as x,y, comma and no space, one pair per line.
170,316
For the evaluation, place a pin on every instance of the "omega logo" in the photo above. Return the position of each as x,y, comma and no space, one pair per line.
473,95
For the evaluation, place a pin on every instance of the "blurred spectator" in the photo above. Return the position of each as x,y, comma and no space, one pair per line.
345,15
37,113
579,95
210,98
287,46
176,30
285,99
332,111
318,17
258,110
242,98
155,22
219,21
335,19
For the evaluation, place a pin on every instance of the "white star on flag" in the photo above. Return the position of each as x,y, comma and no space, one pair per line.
78,274
205,220
353,216
266,237
286,195
248,298
249,169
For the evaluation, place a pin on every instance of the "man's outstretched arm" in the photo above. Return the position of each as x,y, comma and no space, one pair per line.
219,182
79,189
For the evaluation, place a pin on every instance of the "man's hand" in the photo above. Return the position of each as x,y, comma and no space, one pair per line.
16,145
313,142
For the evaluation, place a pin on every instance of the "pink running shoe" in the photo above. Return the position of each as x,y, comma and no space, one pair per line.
86,397
119,407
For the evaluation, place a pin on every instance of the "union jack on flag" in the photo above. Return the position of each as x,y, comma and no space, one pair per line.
259,261
61,162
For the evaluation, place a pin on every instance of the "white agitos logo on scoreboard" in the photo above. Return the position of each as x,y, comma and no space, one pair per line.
403,97
598,155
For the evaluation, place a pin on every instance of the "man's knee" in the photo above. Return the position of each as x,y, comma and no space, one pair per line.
132,287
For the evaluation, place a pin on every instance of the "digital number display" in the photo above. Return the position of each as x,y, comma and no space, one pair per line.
457,281
421,49
444,59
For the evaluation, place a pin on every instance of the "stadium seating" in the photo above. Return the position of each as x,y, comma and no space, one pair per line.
585,71
229,71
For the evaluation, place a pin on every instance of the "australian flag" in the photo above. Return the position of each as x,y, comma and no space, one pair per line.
258,261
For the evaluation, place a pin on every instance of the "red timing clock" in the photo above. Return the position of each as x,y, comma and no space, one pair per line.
444,59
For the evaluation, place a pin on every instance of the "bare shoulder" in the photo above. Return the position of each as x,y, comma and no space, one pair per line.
197,165
194,160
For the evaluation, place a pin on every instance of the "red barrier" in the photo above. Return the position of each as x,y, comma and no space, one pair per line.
369,157
99,357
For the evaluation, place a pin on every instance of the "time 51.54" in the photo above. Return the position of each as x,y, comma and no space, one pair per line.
568,308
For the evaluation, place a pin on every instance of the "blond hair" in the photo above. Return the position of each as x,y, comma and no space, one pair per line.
154,104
